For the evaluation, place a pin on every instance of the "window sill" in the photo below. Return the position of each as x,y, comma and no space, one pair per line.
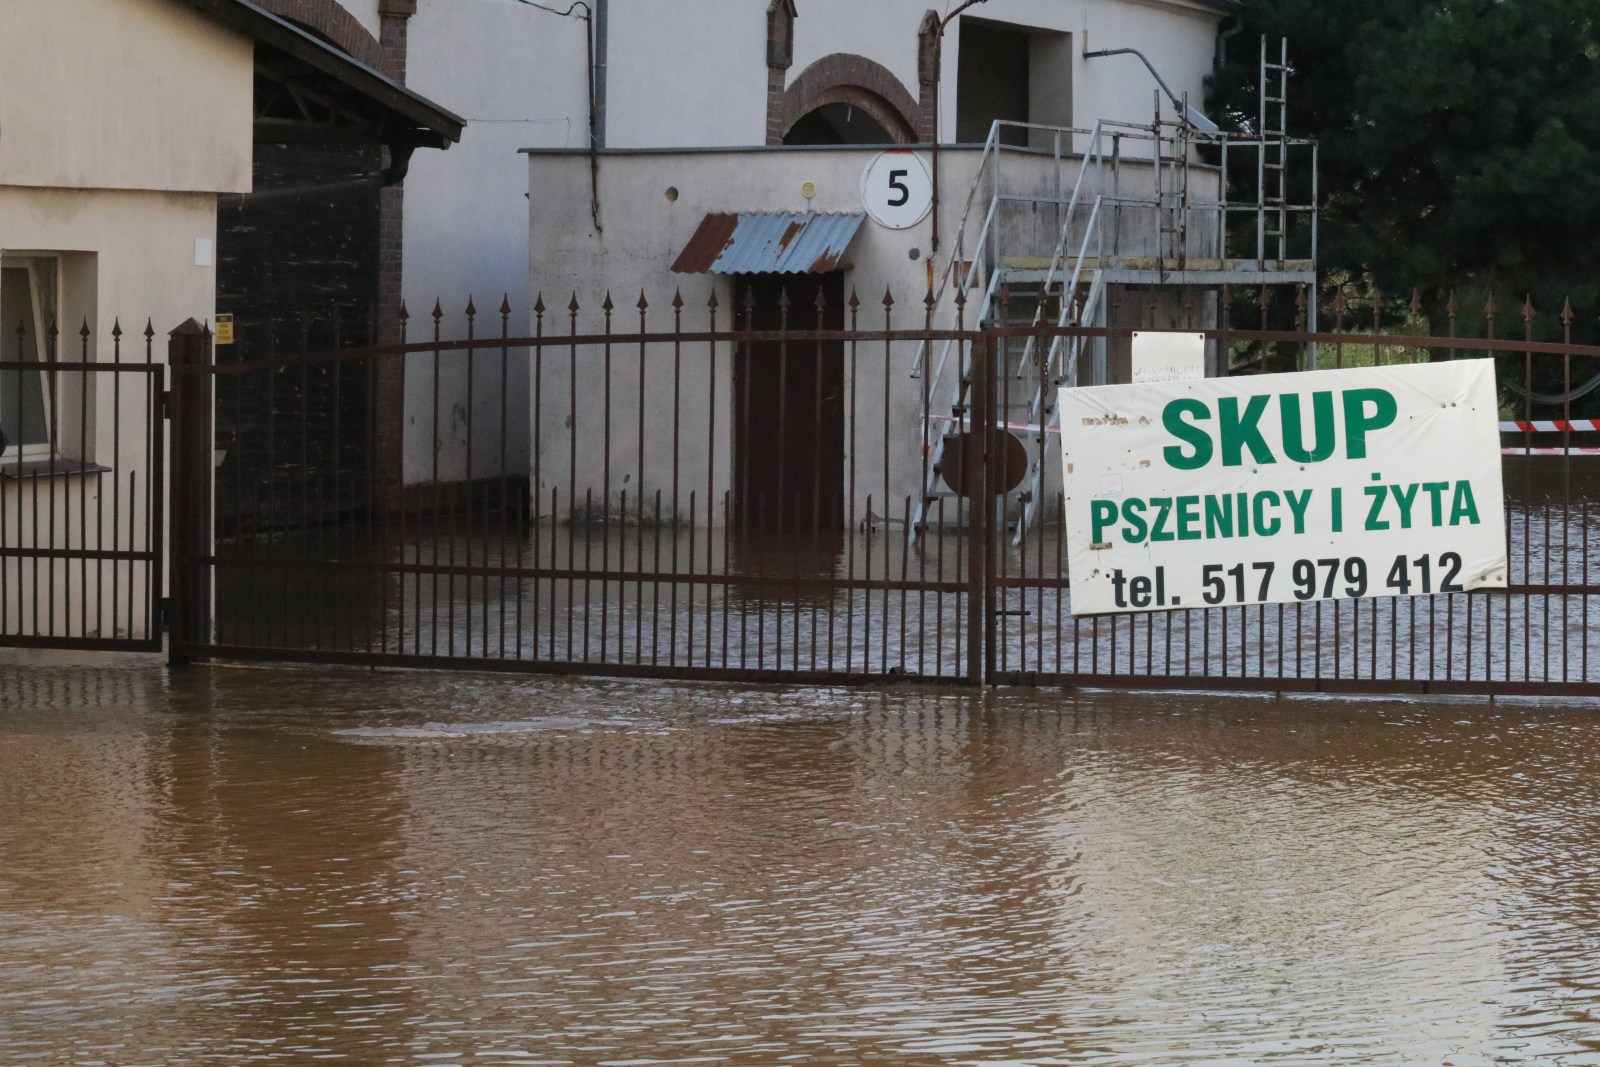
49,468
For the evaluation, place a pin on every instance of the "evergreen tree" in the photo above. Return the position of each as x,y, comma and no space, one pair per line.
1460,139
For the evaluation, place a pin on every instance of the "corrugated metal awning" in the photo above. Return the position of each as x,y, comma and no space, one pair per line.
768,242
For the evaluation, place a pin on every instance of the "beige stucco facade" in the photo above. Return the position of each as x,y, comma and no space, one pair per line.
123,94
110,166
119,154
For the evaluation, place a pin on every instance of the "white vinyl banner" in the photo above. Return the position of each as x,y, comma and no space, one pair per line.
1283,488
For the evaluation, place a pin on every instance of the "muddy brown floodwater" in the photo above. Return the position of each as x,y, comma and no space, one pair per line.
249,866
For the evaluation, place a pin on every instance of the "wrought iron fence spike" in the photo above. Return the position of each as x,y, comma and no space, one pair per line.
1566,311
505,304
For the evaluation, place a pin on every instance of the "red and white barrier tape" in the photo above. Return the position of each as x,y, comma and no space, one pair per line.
1575,426
1551,426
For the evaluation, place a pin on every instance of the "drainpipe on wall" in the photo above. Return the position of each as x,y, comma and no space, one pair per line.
601,53
595,24
390,176
594,18
594,35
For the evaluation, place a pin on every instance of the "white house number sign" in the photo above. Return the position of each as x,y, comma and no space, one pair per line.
897,189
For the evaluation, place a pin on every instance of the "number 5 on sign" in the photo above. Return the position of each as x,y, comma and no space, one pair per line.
897,189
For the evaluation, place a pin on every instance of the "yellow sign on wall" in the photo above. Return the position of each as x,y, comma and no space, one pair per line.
222,333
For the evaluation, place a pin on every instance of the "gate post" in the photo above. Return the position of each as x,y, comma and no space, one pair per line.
189,355
980,514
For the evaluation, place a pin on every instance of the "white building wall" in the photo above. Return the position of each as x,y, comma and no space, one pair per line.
626,261
680,74
686,73
519,77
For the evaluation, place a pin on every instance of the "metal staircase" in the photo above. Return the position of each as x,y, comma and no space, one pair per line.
1135,215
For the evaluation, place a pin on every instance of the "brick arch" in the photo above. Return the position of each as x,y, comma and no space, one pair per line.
331,21
847,78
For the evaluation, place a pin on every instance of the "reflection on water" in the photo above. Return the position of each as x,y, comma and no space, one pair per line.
247,866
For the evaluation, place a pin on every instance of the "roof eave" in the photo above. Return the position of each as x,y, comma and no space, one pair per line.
431,125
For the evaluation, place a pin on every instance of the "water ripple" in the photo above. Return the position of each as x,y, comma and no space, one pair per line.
249,866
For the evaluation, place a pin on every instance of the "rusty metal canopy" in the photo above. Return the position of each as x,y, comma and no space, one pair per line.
769,242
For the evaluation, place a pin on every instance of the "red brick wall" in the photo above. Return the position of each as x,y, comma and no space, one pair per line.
834,78
390,387
333,22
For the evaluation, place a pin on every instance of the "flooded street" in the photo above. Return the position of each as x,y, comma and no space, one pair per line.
239,866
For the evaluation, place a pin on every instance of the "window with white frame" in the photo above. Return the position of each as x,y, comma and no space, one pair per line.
29,310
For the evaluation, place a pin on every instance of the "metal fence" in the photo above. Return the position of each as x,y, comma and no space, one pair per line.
81,492
739,492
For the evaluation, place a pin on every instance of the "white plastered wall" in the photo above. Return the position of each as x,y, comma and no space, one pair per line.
634,256
680,73
518,75
687,74
1177,36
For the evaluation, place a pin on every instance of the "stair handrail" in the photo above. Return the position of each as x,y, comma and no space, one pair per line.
980,310
1095,155
1090,231
990,151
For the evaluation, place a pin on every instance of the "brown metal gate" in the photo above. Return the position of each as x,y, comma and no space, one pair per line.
643,543
567,502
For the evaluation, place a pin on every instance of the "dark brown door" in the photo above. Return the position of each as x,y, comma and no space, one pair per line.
789,406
